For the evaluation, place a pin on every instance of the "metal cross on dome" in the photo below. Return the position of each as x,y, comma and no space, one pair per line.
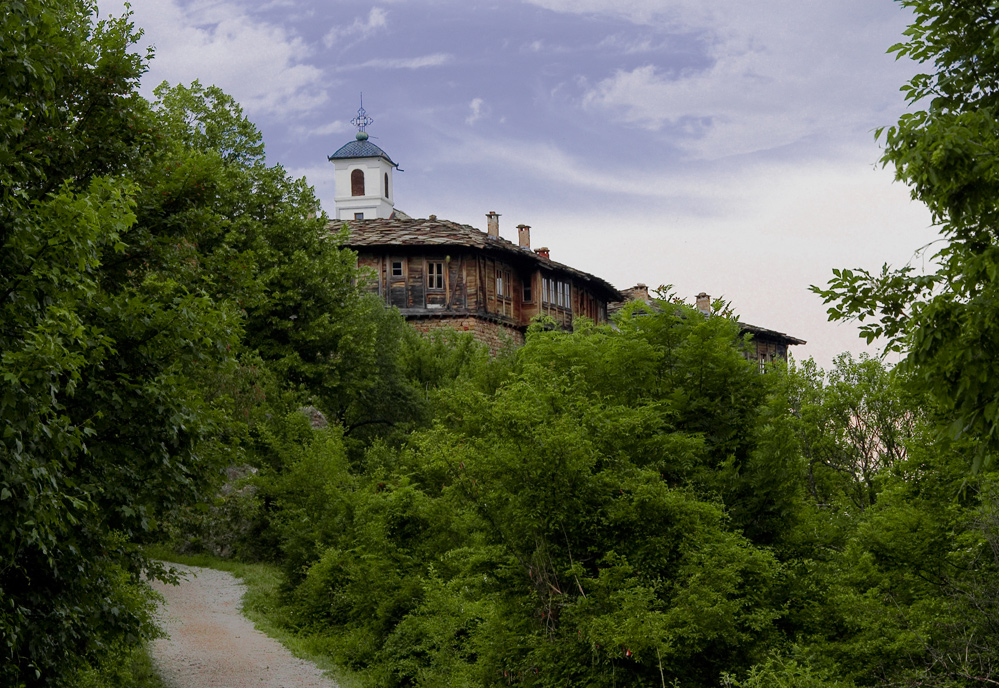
362,120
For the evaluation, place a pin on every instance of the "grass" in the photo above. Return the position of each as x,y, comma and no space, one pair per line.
261,605
143,673
130,668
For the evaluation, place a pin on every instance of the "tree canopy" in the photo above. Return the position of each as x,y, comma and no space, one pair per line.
943,320
156,276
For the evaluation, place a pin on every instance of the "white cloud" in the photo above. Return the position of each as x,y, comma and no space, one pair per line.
628,45
277,4
538,160
728,15
258,63
795,72
435,60
334,127
729,109
476,111
360,29
638,11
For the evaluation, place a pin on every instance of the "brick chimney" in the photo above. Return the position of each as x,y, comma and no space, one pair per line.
704,303
543,252
492,223
639,292
524,236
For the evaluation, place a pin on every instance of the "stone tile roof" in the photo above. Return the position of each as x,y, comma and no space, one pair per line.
757,330
360,148
405,231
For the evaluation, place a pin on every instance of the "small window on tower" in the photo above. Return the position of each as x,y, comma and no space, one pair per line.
357,183
386,185
358,216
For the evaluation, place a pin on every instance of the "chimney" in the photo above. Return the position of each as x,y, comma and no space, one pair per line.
524,236
492,223
543,252
704,303
639,292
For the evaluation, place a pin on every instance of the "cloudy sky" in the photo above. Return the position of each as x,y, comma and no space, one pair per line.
724,146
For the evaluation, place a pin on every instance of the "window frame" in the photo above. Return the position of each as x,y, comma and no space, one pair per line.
556,293
357,182
435,273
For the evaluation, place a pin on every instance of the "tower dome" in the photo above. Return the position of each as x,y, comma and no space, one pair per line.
362,176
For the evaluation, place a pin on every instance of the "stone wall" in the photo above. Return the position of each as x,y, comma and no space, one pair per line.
493,334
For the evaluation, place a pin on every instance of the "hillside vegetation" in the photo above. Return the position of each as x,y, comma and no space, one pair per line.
631,505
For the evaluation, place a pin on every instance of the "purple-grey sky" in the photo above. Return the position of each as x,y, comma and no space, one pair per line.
723,146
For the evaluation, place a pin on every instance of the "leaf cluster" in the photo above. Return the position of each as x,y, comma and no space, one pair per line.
943,320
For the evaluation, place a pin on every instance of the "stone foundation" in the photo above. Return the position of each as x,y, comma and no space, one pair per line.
494,335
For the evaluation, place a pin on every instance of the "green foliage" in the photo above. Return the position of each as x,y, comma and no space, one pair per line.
783,673
909,594
853,426
128,667
622,505
100,423
164,292
944,321
252,237
561,522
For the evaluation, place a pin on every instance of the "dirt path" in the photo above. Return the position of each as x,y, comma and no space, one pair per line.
212,645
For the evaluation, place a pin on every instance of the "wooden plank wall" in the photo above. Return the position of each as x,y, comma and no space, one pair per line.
470,284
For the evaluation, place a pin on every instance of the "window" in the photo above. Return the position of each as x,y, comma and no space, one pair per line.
386,185
435,275
555,293
527,290
358,216
397,268
357,183
499,285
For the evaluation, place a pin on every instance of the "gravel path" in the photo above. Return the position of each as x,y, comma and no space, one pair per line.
212,645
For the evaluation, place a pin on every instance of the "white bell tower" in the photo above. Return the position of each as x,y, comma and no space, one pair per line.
362,177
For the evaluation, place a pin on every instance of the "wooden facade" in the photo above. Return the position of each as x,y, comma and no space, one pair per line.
767,346
435,270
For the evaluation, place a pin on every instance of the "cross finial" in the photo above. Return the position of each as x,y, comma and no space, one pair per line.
362,120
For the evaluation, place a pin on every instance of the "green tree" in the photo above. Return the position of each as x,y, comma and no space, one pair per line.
906,596
944,321
157,280
852,424
101,414
255,238
915,608
561,523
